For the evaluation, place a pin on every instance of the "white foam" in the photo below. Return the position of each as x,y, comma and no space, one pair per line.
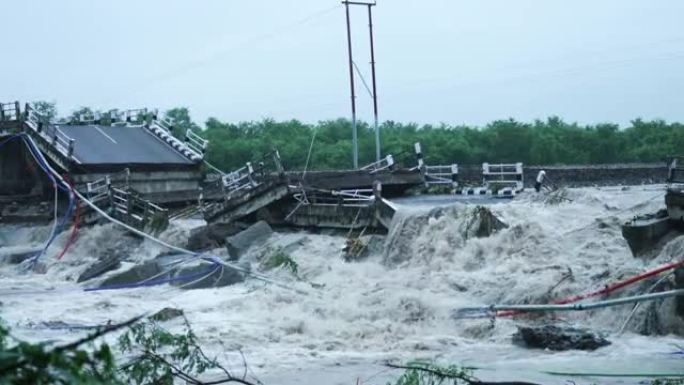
375,310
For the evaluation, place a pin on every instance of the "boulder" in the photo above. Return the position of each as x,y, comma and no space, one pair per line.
167,313
240,242
204,275
135,274
212,236
555,338
107,262
18,257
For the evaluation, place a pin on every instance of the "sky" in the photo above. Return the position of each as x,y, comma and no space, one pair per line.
439,61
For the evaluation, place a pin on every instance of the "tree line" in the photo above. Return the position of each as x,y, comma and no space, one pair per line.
548,142
542,142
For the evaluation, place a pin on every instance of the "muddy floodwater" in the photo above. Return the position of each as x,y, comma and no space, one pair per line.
340,321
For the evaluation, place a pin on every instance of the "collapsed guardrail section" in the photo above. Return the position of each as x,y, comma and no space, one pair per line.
126,204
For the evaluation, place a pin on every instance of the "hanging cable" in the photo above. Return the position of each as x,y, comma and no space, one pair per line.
363,80
29,141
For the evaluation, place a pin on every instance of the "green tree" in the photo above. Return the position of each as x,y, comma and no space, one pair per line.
45,108
180,121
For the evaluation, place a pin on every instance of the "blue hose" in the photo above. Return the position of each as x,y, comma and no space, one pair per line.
38,156
40,159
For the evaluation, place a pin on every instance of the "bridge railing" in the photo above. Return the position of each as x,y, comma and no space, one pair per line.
98,190
503,174
49,132
355,196
441,175
193,147
196,142
136,211
383,164
10,112
240,179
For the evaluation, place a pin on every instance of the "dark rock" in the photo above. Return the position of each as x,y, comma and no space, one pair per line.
555,338
240,242
108,262
135,274
212,236
19,257
205,276
166,314
679,284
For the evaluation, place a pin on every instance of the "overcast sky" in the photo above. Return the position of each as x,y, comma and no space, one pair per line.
452,61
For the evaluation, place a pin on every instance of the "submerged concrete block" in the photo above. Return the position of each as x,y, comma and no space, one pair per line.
205,275
240,242
135,274
108,262
213,235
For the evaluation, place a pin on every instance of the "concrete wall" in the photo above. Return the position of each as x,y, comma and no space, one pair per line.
19,174
581,175
158,186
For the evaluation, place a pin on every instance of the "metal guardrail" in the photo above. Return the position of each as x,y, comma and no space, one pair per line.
49,132
358,197
506,174
441,175
196,143
193,147
10,112
134,210
240,179
99,189
383,164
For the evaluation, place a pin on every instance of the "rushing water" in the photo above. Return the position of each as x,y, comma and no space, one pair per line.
394,305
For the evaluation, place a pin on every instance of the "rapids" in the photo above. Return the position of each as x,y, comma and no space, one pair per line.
394,305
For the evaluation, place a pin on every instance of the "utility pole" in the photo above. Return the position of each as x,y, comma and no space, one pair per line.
375,93
355,144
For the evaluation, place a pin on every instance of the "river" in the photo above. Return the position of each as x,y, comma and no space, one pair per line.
396,304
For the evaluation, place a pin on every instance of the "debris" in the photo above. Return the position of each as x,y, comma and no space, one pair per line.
484,223
354,249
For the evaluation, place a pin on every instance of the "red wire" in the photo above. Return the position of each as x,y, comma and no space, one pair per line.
77,222
606,290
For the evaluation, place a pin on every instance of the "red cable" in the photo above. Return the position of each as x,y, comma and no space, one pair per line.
606,290
77,222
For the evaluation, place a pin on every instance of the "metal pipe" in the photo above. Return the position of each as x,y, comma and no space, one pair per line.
577,306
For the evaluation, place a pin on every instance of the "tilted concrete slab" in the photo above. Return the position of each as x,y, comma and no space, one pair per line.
109,145
248,202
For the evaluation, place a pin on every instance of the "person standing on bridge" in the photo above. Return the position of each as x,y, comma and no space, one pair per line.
541,177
